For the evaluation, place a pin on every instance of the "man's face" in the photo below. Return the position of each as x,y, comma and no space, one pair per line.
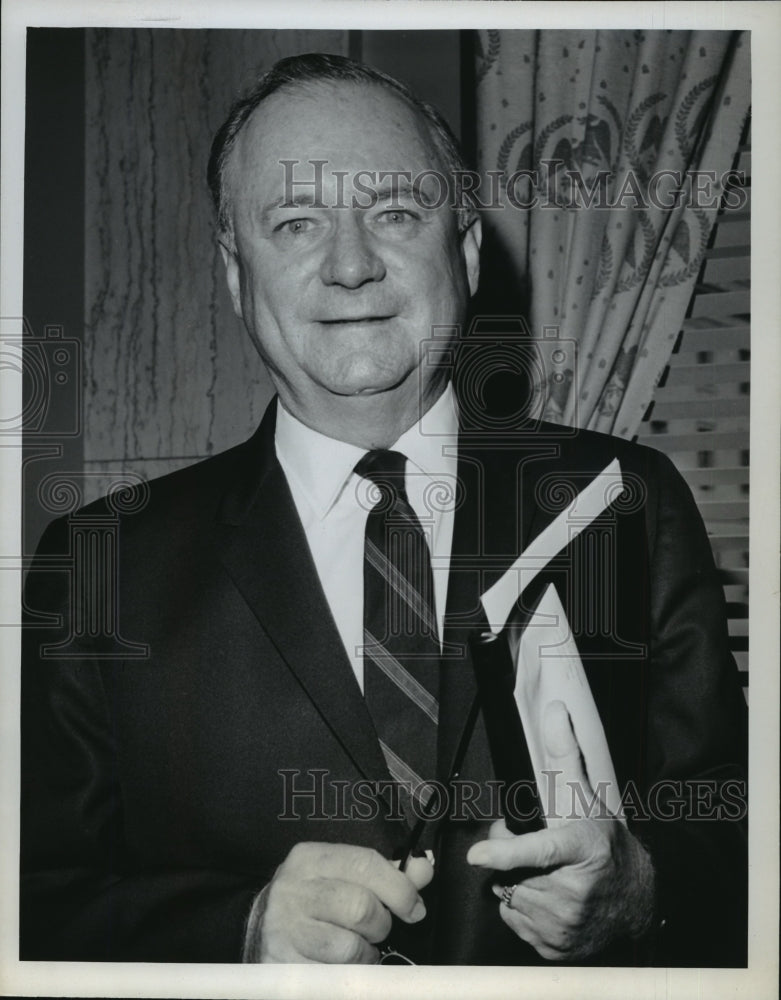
338,299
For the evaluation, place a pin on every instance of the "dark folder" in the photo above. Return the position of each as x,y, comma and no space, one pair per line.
494,666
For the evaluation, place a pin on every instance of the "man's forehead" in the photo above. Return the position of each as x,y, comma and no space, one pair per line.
351,126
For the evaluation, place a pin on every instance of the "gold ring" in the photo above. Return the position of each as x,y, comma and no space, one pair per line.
507,894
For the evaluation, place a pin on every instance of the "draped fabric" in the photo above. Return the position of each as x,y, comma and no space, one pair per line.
589,134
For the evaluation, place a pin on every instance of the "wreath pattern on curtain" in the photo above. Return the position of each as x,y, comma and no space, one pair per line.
604,120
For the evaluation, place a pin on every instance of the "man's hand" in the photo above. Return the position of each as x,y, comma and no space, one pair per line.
333,903
595,880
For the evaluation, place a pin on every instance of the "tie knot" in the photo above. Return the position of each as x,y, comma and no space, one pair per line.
383,467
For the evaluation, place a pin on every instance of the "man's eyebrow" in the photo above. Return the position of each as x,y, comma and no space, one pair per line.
308,200
402,186
389,188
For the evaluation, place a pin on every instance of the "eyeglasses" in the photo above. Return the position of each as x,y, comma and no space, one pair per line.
389,956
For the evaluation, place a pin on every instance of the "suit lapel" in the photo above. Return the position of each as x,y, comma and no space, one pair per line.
264,549
570,468
463,616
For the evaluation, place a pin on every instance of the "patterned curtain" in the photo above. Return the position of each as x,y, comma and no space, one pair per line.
587,135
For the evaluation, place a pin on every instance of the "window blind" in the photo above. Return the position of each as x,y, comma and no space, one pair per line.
700,412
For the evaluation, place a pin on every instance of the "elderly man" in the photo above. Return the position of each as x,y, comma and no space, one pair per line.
249,790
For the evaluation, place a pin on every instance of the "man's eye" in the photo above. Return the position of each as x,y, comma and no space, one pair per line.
397,216
294,226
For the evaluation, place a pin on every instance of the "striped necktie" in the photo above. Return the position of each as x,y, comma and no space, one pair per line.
401,652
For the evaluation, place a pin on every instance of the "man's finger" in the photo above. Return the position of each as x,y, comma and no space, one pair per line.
499,831
323,942
419,871
351,906
564,845
529,932
362,866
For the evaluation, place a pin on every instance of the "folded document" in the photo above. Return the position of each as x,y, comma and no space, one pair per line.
548,665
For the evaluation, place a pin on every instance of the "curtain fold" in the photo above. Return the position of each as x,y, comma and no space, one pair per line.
587,136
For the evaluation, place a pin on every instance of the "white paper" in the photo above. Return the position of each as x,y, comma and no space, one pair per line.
549,669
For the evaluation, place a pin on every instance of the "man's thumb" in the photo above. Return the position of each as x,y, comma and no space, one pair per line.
559,737
566,766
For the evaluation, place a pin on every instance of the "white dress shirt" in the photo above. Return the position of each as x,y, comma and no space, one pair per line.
333,504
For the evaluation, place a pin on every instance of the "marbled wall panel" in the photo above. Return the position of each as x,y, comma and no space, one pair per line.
170,372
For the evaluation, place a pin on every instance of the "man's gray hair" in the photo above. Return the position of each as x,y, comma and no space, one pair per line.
315,67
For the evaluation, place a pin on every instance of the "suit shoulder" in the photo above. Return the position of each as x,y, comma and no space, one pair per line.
595,448
199,485
191,493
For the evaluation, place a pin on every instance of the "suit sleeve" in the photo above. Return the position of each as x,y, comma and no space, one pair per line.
83,895
697,748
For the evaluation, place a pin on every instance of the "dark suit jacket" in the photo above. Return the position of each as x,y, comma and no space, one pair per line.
162,702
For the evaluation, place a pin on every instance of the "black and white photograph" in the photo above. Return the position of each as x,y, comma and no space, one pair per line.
390,499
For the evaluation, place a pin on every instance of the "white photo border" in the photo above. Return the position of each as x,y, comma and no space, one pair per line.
172,980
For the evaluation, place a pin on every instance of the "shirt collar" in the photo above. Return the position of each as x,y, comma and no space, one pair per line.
322,465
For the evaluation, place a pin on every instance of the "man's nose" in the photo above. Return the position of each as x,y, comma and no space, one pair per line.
351,260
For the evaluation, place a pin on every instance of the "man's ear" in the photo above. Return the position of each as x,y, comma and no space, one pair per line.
471,239
233,276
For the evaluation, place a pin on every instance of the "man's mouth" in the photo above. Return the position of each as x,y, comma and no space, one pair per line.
346,320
